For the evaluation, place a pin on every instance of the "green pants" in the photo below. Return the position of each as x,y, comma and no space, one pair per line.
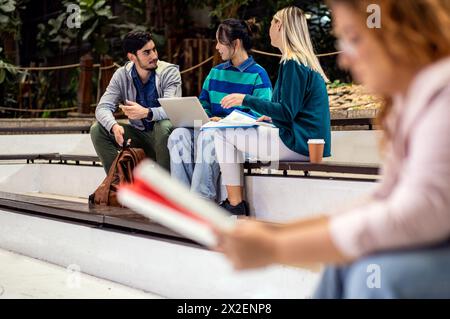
154,142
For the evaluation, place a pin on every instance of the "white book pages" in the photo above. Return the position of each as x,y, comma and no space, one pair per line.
180,195
168,217
234,120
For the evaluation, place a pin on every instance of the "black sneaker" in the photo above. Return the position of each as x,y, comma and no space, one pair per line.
240,209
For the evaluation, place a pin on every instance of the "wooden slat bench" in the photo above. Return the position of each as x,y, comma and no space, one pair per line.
83,129
122,219
53,158
30,158
362,121
306,167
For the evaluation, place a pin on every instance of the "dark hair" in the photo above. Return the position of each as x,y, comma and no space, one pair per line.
232,29
135,40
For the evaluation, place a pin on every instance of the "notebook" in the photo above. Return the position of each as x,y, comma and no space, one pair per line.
236,119
156,195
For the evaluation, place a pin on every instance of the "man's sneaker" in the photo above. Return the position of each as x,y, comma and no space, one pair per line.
239,210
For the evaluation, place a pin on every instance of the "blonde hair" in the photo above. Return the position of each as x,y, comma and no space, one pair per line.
295,39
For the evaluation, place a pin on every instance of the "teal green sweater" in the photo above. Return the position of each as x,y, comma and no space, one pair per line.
299,107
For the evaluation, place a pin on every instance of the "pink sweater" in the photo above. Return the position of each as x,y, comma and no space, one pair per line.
411,205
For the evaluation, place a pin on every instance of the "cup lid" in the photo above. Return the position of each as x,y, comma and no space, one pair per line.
316,141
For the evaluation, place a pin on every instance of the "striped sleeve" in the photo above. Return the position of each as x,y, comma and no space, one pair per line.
263,86
204,96
263,89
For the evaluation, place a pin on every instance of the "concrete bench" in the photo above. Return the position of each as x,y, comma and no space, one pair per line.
104,242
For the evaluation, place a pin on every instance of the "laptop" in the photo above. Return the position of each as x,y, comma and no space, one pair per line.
184,111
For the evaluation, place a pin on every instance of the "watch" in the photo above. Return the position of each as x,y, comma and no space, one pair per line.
149,115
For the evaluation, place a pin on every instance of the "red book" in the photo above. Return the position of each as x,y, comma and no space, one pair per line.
164,200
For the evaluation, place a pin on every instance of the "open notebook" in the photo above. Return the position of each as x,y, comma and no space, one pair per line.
234,120
166,201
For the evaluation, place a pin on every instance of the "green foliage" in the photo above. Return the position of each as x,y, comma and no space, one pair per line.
135,9
7,71
337,84
9,16
224,9
96,19
8,87
48,96
221,9
320,29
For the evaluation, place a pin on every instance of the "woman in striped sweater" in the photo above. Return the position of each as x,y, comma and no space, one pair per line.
192,153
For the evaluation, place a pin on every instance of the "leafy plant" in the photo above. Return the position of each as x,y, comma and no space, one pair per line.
221,9
133,18
96,21
9,16
337,84
135,9
6,70
227,8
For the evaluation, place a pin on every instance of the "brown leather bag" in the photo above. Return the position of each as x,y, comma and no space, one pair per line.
121,171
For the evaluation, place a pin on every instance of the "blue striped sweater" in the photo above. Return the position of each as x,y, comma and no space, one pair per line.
248,78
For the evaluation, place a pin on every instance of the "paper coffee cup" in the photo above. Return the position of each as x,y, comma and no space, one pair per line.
316,147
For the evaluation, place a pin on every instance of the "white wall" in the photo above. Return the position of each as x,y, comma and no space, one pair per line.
283,198
355,147
65,180
346,146
79,144
170,270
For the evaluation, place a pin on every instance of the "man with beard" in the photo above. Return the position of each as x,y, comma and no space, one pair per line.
135,88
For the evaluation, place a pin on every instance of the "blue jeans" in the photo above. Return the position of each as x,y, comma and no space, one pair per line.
193,160
403,274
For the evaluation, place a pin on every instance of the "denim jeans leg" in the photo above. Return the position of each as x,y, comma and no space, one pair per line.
207,169
401,274
330,285
398,274
181,150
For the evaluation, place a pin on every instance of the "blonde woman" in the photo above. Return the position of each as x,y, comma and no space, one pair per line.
299,110
396,244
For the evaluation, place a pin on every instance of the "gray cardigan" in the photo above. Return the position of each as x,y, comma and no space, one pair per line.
121,88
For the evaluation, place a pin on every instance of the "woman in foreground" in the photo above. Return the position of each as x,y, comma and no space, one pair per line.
403,228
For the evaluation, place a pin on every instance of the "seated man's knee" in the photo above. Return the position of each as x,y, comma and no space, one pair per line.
96,131
163,128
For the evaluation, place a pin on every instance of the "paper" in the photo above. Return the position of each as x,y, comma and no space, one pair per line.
166,201
234,120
